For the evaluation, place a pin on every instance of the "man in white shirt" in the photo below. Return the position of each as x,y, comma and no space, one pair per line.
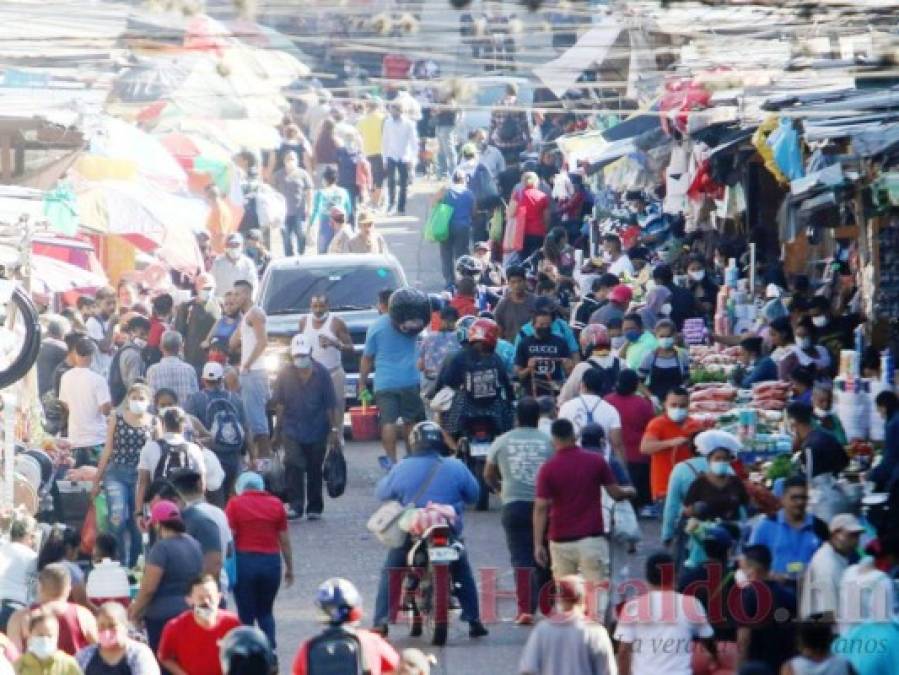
101,329
399,147
617,263
233,266
85,394
824,574
568,642
589,408
18,564
656,629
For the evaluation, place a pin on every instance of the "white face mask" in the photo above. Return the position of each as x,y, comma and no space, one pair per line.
138,406
140,343
697,275
665,310
302,361
821,412
740,578
233,253
677,414
819,321
617,342
42,646
204,295
204,613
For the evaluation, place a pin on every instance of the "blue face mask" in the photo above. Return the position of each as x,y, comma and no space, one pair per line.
719,468
632,335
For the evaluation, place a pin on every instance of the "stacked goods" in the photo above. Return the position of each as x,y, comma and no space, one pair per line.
852,403
771,395
709,364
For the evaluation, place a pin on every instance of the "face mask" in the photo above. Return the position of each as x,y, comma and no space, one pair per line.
138,406
819,321
677,414
203,296
697,275
43,647
204,612
804,343
821,412
109,638
233,253
632,335
665,309
543,333
740,578
666,342
302,361
606,256
617,341
719,468
140,343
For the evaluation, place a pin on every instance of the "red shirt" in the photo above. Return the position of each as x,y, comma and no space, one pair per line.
464,305
635,412
571,480
157,328
396,66
379,655
662,428
192,646
535,204
256,518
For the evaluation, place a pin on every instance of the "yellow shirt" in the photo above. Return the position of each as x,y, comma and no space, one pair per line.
370,128
59,664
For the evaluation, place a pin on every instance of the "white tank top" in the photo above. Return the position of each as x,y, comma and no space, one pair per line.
329,357
248,344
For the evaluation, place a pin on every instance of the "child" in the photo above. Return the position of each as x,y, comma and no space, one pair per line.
43,655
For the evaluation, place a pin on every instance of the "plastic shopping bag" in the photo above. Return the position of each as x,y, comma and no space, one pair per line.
437,227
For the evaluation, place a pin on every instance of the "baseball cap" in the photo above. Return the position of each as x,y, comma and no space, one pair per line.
366,217
772,291
846,522
300,346
234,239
213,371
205,280
621,293
164,510
712,439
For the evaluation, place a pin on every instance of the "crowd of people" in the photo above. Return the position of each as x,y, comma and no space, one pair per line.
572,351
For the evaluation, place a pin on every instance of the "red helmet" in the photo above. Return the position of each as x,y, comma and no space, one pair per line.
595,335
484,330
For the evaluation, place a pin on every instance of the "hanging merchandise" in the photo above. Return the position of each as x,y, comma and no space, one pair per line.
760,141
784,143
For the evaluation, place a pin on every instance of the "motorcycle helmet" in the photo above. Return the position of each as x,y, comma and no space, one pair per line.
467,266
485,331
595,336
410,310
426,436
246,651
339,601
462,326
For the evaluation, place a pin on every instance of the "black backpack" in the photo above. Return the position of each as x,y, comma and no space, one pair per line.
118,389
609,376
336,651
172,458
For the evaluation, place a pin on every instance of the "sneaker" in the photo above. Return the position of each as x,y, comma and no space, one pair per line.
524,619
292,514
476,630
313,516
385,463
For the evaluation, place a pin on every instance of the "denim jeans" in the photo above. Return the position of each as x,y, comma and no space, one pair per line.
452,249
446,154
230,462
120,483
390,586
303,475
294,229
397,176
530,578
258,581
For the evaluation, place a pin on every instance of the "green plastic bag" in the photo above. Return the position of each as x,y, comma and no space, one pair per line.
101,508
437,227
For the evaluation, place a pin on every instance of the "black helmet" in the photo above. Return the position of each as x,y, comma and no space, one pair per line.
467,266
409,310
426,436
246,651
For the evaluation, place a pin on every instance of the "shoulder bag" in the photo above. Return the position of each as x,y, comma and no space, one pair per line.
385,522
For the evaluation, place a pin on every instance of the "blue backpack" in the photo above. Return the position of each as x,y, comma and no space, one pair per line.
223,421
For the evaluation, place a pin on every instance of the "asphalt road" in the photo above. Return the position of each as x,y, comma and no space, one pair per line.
340,545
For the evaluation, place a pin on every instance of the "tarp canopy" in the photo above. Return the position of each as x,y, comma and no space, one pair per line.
562,74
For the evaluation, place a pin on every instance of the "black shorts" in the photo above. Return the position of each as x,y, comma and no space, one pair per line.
377,170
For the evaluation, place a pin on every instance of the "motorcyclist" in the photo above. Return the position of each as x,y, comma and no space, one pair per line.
467,266
481,380
445,480
246,651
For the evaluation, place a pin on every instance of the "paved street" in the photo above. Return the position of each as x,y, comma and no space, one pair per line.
340,545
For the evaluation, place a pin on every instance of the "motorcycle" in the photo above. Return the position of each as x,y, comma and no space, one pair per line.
427,588
472,448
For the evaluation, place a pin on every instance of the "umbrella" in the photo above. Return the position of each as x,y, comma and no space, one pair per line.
152,220
120,150
203,160
51,275
233,134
